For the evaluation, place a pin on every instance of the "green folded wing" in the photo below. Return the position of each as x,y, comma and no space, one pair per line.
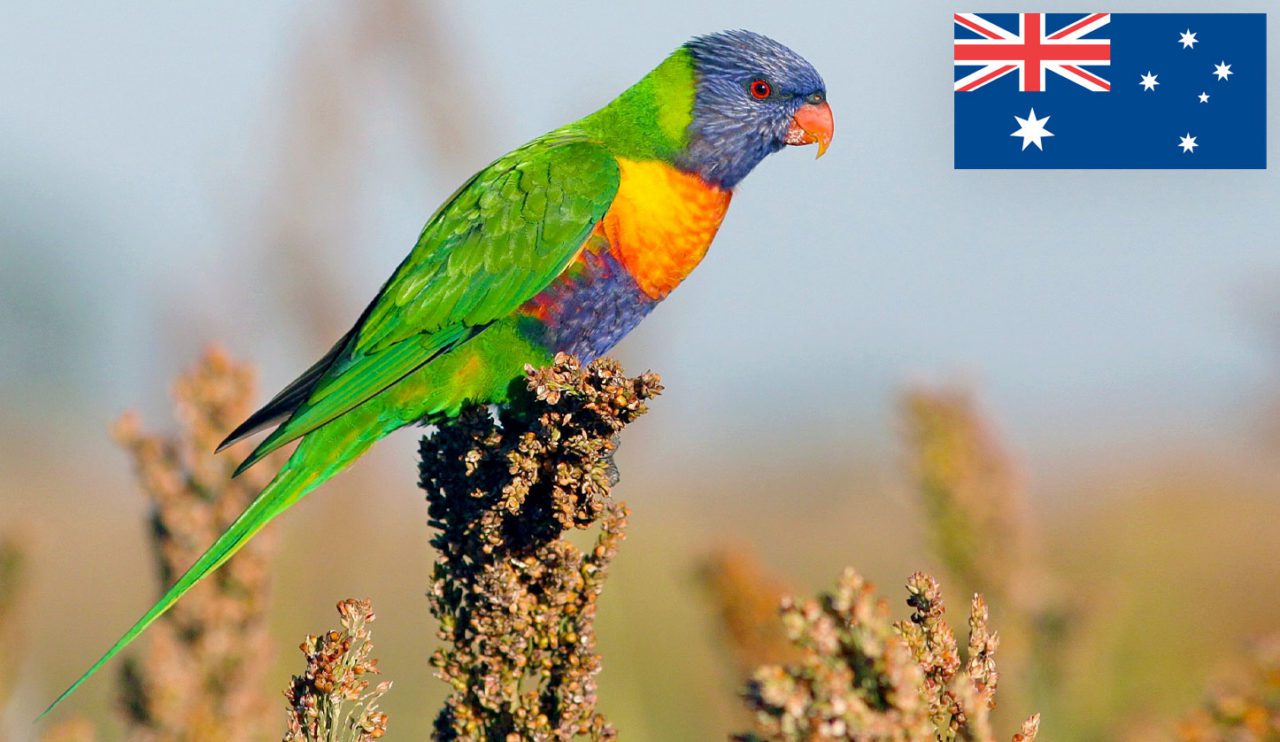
502,238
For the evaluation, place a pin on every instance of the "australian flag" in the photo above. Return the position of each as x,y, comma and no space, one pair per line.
1110,90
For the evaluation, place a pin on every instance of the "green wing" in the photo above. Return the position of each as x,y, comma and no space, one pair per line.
494,245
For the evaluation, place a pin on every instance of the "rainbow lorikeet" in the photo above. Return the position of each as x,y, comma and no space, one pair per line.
564,244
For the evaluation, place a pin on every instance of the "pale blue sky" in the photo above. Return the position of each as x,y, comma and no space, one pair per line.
1091,308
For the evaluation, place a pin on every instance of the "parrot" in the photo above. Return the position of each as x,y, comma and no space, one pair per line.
562,246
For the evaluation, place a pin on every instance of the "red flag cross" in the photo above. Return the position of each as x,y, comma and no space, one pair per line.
1031,52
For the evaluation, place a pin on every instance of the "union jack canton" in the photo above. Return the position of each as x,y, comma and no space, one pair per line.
1033,51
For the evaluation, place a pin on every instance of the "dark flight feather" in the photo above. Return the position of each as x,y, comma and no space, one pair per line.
288,399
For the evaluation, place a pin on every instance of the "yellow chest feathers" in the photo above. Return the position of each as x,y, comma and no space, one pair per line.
661,223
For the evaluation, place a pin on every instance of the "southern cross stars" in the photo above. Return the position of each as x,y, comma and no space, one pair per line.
1032,130
1188,39
1188,144
1149,81
1222,70
1204,97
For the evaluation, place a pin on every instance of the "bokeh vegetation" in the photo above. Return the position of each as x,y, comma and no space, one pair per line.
13,589
519,609
863,677
202,674
1153,571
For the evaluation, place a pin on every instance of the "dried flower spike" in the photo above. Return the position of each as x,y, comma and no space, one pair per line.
746,600
516,601
861,677
202,675
332,700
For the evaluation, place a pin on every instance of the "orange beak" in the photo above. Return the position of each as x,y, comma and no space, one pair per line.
812,123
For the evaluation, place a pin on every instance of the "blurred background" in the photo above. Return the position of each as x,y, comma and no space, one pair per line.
248,173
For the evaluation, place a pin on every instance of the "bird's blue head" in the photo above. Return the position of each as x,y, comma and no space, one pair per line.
754,96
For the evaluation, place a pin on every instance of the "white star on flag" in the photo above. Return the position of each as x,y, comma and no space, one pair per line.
1188,143
1222,70
1032,130
1149,81
1188,40
1204,97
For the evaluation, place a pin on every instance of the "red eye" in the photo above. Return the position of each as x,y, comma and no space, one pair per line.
760,90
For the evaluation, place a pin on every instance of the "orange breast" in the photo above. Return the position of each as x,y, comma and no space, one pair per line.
661,223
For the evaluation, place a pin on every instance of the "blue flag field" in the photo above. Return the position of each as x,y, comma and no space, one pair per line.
1110,90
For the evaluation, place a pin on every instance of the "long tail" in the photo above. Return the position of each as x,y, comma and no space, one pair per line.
319,456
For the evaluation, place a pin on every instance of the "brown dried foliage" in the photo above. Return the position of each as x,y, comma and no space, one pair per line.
960,694
201,676
515,599
13,588
339,664
981,529
70,730
746,600
976,514
862,677
1243,709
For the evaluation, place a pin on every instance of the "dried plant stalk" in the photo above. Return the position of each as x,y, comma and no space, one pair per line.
311,208
71,730
515,599
746,600
862,677
977,516
201,676
1244,708
339,664
13,584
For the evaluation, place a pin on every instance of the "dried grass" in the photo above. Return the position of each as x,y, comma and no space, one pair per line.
202,673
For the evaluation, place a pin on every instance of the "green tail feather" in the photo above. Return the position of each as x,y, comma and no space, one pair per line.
316,459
